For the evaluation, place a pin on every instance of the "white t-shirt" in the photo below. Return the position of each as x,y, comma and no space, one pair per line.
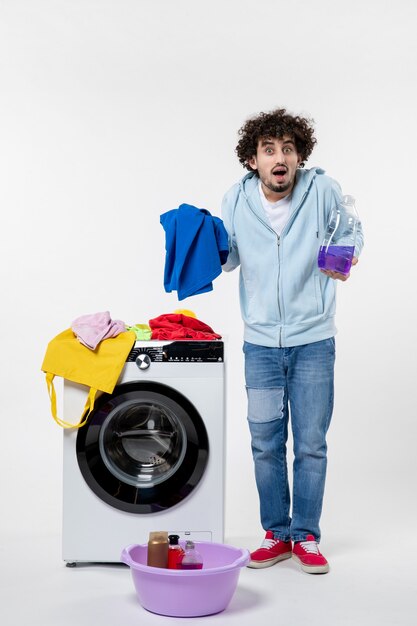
277,212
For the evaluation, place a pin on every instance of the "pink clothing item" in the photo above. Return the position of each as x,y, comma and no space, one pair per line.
93,328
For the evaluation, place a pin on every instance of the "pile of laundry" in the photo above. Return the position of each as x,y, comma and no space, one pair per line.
93,328
94,350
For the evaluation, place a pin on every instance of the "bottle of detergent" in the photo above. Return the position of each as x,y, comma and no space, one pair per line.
338,247
175,553
158,549
192,559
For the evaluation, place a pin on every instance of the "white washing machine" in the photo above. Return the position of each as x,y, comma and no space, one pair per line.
151,456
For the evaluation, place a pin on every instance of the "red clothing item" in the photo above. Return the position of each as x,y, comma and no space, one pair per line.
179,326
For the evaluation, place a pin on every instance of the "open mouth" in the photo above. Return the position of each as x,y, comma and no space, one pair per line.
279,174
280,171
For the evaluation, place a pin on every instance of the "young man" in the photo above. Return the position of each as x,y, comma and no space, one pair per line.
275,218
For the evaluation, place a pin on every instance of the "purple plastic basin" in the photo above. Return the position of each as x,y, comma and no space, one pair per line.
187,593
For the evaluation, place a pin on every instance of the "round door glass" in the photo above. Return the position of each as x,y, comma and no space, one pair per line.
142,443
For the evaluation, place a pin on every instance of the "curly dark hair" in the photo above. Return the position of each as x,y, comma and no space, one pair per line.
275,124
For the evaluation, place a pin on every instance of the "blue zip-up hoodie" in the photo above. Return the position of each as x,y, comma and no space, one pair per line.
285,299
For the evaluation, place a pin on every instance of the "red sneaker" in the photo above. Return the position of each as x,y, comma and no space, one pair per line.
307,553
271,551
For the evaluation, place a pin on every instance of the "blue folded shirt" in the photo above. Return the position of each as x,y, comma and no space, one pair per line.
196,247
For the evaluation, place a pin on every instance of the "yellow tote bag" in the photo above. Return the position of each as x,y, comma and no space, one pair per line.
99,369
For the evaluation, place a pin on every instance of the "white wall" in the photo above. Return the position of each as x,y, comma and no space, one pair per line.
114,111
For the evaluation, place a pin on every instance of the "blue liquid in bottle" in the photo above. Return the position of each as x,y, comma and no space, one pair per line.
336,258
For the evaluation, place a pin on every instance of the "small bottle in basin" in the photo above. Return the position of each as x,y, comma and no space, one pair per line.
175,552
158,549
192,559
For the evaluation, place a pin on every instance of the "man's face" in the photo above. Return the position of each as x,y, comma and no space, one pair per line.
276,161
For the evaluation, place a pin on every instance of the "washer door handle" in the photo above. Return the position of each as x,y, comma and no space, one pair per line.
143,361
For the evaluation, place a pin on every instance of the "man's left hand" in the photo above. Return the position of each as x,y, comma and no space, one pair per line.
337,275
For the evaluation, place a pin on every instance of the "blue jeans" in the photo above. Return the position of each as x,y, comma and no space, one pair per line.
297,382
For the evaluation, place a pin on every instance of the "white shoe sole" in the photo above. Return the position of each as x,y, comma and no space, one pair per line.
312,569
269,562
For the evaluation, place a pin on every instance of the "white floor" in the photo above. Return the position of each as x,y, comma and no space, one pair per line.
371,582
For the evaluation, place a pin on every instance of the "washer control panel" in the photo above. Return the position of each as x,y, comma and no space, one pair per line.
178,352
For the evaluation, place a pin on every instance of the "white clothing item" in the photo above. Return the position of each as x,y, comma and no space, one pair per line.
277,212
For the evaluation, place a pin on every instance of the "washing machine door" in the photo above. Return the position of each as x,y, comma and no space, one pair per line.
144,448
